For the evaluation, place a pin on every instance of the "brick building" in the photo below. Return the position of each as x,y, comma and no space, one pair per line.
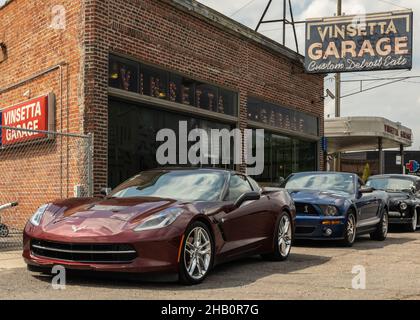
123,69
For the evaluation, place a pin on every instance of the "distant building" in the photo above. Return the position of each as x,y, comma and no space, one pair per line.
356,161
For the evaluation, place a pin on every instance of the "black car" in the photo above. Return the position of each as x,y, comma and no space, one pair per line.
404,192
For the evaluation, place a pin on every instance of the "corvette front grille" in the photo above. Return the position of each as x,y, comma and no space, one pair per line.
89,253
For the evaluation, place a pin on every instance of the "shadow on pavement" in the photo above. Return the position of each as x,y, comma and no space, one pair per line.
400,228
362,243
233,274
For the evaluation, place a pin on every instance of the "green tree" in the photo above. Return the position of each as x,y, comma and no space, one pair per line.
366,172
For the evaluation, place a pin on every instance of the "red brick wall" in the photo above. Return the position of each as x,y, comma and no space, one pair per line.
158,33
33,46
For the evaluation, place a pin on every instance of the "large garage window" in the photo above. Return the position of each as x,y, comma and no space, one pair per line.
284,155
132,137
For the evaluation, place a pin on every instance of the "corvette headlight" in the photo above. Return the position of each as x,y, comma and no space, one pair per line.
329,210
403,206
160,220
36,218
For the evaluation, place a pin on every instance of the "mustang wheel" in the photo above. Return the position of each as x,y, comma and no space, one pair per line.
412,227
282,240
4,231
350,231
382,228
197,254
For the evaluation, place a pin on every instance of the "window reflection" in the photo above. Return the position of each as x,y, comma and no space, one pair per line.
285,155
132,137
281,117
185,185
146,80
123,74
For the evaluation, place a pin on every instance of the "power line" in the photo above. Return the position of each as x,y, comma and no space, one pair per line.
381,79
371,88
392,73
241,8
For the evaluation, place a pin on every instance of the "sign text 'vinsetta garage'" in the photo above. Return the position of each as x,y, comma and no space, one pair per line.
381,41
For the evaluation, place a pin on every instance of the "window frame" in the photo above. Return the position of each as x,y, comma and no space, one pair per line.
228,186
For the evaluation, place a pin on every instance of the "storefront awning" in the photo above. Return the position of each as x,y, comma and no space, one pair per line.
365,133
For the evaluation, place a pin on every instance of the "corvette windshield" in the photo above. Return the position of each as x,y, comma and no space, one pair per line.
184,185
341,182
390,184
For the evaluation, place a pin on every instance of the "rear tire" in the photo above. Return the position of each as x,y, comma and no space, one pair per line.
350,230
197,254
282,239
381,231
412,226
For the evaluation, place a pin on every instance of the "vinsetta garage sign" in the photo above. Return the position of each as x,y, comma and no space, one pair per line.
381,41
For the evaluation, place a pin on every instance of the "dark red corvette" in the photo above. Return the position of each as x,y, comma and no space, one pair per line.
166,220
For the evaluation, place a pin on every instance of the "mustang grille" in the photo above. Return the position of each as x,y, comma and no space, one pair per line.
101,253
308,209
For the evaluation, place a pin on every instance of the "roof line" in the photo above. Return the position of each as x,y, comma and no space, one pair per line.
227,24
5,4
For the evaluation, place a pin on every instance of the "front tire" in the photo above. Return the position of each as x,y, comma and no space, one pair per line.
350,230
412,227
197,254
382,229
282,239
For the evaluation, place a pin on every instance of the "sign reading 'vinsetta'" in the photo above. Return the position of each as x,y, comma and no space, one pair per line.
381,41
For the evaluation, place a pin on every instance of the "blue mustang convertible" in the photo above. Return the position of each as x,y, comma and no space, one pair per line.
337,206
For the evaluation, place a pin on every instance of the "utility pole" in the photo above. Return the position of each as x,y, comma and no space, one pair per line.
338,76
338,95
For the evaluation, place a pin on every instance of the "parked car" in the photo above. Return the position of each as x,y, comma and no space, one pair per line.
337,206
404,193
165,220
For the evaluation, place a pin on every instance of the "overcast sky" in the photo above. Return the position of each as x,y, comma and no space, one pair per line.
398,102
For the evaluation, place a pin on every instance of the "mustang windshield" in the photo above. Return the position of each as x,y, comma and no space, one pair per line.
341,182
184,185
390,184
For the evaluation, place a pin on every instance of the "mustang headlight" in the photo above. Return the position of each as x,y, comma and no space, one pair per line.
403,206
329,210
160,220
36,218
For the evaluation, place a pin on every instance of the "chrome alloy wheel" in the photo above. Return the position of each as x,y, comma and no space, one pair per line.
351,228
285,236
197,253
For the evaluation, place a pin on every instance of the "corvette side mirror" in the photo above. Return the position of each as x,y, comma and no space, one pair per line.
105,192
281,181
249,196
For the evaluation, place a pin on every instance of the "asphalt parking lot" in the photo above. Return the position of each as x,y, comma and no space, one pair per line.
314,271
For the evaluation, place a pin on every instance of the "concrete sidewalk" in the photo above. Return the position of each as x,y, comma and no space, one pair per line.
11,260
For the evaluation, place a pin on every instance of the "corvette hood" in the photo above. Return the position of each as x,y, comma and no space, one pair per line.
319,197
99,217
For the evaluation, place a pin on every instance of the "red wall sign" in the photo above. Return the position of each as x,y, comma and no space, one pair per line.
33,114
